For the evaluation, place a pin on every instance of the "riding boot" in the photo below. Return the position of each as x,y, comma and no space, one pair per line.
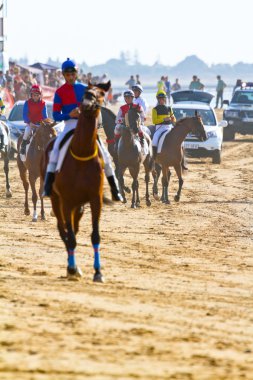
48,184
116,196
23,147
1,142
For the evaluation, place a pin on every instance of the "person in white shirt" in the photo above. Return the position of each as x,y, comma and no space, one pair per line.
138,99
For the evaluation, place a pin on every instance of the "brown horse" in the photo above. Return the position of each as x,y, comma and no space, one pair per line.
80,181
31,166
131,157
172,153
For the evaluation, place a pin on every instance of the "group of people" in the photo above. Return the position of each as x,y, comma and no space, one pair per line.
165,85
221,85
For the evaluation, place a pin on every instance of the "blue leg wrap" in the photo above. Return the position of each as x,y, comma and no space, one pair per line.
71,259
96,256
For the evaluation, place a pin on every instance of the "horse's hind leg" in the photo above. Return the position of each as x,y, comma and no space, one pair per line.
147,179
32,181
121,183
23,176
156,174
6,170
96,206
178,170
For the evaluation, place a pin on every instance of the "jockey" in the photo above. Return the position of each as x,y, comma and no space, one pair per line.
34,112
67,100
138,99
163,118
120,118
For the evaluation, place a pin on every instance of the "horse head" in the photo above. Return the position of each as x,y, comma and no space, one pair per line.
94,97
198,127
45,133
133,119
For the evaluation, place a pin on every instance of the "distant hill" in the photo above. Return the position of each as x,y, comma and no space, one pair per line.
119,70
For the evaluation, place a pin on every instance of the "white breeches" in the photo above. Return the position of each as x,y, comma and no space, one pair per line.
27,133
159,130
54,155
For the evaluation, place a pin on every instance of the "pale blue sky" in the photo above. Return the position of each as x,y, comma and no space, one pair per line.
217,31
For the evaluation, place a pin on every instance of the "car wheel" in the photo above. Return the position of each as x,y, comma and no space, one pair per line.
228,135
216,157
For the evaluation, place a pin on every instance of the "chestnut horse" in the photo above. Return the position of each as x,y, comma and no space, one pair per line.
172,153
80,181
31,166
131,157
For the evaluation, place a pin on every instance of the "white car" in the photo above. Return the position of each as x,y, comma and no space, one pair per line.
185,103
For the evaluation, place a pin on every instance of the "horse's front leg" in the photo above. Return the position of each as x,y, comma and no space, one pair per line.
165,185
6,170
42,212
32,180
121,183
178,170
147,179
96,206
73,272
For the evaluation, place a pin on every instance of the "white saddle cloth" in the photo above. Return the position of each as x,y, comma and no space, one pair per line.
62,154
161,140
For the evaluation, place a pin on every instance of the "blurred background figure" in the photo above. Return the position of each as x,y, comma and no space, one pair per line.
137,79
176,86
130,82
237,84
167,88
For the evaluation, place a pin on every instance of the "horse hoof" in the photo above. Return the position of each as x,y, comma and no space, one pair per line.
148,203
27,212
127,190
156,197
8,194
73,274
43,217
176,198
98,277
133,206
167,202
124,200
138,204
34,219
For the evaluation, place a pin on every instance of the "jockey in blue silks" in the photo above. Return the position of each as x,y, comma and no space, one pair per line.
67,100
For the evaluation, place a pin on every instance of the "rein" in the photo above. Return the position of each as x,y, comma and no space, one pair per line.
79,158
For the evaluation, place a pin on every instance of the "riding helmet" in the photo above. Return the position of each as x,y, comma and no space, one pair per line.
137,87
35,89
161,94
69,66
128,93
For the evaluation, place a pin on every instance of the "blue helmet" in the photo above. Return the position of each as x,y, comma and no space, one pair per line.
69,66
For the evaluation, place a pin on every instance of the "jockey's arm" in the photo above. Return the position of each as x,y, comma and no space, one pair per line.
25,113
154,117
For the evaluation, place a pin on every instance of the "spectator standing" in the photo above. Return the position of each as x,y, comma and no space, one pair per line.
131,82
194,85
176,86
238,84
137,80
219,90
161,84
167,87
2,79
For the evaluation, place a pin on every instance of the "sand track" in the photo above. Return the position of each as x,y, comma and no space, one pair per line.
178,299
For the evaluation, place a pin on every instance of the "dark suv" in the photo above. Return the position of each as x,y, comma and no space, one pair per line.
239,113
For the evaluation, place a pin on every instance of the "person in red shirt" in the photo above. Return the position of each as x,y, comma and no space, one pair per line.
34,112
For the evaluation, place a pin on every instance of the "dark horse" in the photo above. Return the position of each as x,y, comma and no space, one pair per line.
172,153
131,156
5,154
31,166
80,181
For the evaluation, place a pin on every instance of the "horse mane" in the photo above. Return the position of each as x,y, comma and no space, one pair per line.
180,121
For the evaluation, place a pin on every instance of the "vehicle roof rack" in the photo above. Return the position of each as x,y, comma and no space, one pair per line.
246,85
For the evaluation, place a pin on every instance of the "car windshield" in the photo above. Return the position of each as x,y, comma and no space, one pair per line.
16,113
243,97
206,115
